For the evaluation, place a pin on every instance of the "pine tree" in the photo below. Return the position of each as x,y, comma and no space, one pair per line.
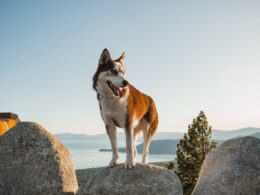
191,152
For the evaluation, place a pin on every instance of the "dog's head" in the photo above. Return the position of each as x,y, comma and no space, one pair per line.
109,78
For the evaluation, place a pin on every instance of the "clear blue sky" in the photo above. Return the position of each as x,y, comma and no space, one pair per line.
188,55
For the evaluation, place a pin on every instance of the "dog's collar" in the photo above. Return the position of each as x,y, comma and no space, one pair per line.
101,96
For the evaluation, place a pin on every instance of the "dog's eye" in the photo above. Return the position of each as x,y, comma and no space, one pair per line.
114,72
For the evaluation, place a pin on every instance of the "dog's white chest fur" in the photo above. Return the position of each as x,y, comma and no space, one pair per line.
114,110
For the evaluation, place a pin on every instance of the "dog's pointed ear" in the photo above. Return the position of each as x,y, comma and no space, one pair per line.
105,57
121,59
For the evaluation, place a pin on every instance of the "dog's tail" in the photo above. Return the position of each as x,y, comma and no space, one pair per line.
152,117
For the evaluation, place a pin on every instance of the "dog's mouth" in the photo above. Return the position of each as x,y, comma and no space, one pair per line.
116,90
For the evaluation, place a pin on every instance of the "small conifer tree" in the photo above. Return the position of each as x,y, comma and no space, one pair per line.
191,152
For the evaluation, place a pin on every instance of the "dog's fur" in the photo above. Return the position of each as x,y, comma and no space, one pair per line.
122,105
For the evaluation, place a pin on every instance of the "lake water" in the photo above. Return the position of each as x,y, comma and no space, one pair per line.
85,153
93,158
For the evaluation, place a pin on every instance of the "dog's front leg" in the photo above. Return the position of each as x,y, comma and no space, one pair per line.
111,131
130,156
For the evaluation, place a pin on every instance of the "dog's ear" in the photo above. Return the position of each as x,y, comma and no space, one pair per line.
121,59
105,57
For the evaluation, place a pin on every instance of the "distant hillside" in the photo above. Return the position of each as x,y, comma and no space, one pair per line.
168,135
256,135
216,135
225,135
166,146
163,142
71,136
120,135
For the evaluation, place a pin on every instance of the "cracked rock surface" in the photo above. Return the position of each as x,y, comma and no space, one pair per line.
32,161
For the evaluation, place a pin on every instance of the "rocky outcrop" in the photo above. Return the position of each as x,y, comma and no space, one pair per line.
32,162
232,168
143,179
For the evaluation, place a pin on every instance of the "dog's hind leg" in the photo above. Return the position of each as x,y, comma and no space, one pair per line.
149,129
111,131
146,144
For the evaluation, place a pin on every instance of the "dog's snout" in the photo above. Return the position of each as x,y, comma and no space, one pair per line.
125,83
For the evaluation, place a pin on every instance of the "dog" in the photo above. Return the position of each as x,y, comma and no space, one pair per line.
123,106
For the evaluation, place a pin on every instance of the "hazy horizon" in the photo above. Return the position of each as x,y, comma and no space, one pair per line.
189,56
160,131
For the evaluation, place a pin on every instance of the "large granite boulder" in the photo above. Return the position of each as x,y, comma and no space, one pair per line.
32,162
142,180
230,169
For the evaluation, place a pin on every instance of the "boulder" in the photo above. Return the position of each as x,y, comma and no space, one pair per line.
232,168
141,180
32,161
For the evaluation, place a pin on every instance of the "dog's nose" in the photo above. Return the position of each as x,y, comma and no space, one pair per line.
125,83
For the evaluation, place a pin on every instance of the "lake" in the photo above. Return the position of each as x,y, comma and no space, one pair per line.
93,158
85,153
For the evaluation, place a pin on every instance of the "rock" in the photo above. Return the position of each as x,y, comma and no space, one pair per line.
32,162
142,179
3,191
230,169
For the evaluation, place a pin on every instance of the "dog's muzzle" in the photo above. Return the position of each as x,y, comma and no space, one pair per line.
125,83
116,90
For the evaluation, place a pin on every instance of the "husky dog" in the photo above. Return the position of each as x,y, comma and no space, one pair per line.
122,105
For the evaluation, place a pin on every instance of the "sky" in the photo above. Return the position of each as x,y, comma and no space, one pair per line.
188,55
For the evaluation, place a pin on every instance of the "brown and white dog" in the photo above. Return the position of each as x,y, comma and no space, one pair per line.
123,106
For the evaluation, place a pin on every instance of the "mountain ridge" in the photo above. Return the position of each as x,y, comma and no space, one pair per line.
217,134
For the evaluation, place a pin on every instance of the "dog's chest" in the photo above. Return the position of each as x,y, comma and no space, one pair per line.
114,111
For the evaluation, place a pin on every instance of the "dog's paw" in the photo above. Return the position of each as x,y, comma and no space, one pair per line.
144,161
129,164
113,163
